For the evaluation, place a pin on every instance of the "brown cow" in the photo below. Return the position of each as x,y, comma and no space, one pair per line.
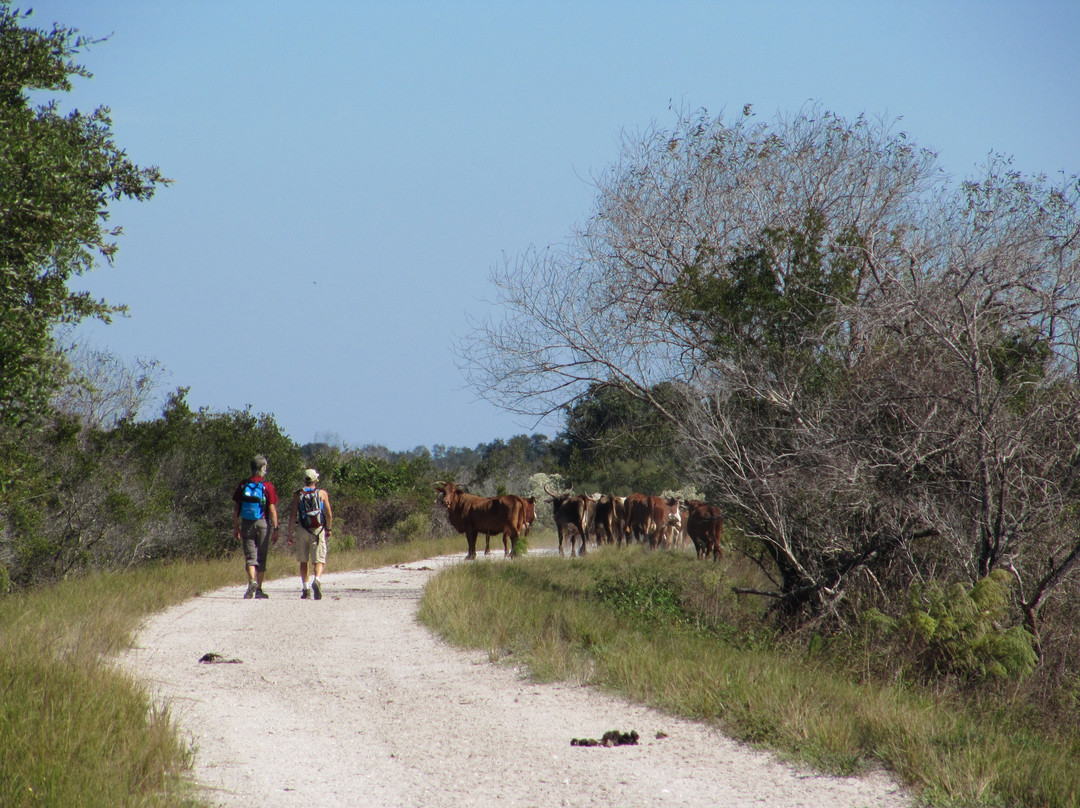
570,513
649,516
472,515
705,526
528,516
530,513
605,524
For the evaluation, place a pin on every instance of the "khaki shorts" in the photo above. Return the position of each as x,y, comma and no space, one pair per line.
310,547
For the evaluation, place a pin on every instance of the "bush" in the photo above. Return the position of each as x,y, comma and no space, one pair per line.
956,631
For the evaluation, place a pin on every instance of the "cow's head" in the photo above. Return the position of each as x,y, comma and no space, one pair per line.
448,493
674,513
557,500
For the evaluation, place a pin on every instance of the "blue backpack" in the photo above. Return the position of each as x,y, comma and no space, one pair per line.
252,501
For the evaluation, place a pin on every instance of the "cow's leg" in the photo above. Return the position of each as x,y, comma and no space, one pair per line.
582,534
470,537
560,543
487,544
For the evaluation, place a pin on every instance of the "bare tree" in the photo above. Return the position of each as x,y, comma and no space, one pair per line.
103,389
879,370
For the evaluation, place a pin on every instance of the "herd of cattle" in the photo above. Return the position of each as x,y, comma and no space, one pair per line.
606,519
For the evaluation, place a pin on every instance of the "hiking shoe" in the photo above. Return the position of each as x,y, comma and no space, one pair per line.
250,593
316,587
305,595
260,594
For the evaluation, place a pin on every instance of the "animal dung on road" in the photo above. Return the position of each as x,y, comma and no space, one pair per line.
610,738
212,657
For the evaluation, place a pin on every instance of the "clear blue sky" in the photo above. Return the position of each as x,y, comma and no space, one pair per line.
348,173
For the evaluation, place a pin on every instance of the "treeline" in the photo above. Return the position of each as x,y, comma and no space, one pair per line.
92,488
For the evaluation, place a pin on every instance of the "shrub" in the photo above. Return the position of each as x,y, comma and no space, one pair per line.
957,631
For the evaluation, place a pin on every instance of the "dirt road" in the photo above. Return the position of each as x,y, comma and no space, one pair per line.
348,701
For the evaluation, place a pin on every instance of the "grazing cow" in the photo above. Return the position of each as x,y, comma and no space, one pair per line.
472,515
649,516
705,526
571,515
605,525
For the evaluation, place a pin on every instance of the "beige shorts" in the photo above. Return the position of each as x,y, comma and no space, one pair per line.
310,547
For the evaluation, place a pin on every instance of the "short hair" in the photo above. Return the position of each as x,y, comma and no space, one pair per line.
258,464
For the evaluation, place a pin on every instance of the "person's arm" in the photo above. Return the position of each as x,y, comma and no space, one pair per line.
329,514
273,522
236,519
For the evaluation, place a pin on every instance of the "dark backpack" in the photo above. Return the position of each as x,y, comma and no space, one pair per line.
252,501
310,508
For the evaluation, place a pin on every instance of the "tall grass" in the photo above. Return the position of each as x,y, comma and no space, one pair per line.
75,731
657,628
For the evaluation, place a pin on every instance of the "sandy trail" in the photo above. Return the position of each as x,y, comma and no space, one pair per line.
348,701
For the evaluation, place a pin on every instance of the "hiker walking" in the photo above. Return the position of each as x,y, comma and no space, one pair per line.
255,518
311,510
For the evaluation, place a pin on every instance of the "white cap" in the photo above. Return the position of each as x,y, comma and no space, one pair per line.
311,476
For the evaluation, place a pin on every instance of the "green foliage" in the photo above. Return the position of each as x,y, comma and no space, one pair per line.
958,631
646,600
104,499
617,443
203,455
58,174
775,294
370,479
506,464
413,527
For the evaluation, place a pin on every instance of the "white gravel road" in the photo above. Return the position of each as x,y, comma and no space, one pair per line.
348,701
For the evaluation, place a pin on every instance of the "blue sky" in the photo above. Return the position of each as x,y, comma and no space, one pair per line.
348,173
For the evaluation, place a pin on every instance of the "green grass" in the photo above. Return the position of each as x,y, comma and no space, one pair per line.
77,732
665,630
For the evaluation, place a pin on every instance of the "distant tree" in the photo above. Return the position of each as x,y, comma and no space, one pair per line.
878,372
102,389
506,465
619,443
58,175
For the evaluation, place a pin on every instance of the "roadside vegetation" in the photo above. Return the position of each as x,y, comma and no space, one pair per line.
74,729
665,630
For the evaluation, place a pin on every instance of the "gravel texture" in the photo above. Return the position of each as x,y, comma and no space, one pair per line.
348,701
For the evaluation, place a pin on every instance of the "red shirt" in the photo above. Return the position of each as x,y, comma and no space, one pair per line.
268,487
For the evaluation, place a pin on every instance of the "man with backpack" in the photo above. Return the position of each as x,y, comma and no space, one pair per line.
254,500
311,510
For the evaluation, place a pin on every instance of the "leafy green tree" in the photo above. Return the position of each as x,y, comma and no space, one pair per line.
506,465
202,455
58,174
618,443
